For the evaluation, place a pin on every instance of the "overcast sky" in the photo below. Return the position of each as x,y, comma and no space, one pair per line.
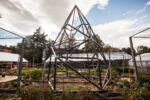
113,20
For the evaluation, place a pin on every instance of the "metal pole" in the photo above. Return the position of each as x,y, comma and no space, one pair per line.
49,68
99,74
141,62
33,62
123,64
44,64
110,73
55,73
20,64
134,61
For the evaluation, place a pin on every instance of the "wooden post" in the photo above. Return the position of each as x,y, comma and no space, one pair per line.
20,64
134,61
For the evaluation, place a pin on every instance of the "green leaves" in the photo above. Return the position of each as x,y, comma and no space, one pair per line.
34,45
88,46
143,49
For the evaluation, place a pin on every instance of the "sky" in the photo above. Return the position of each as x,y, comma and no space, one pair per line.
113,20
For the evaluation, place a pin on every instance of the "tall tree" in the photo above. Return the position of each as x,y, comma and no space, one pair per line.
127,50
34,46
39,39
142,49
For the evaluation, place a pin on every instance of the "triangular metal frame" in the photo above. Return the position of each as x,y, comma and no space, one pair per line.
66,43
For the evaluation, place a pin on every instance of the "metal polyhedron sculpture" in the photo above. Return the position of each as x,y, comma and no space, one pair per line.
74,35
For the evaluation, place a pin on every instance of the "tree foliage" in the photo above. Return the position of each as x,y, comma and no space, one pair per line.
88,46
127,50
39,39
34,46
142,49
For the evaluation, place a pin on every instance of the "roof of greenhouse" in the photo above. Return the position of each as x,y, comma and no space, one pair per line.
10,57
6,34
113,56
144,57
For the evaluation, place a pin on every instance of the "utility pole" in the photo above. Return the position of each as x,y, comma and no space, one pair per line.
134,61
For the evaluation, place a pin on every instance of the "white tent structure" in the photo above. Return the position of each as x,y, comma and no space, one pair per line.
10,57
142,62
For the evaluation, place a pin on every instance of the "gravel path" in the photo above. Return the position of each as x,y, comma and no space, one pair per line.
7,78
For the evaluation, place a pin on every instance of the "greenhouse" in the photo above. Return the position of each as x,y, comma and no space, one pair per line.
142,62
117,58
10,60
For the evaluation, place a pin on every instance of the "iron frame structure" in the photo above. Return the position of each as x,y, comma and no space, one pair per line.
89,37
21,52
133,51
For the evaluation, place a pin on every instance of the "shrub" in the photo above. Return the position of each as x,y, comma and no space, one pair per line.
120,69
80,95
126,83
4,96
84,95
143,78
35,90
26,83
67,95
51,69
95,70
14,83
36,74
6,84
117,69
126,70
37,93
114,73
61,69
27,76
143,94
26,73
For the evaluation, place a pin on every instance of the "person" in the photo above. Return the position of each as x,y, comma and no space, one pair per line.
29,66
13,66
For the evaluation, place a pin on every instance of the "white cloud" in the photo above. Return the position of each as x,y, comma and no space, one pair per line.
117,33
141,10
144,8
128,12
86,5
148,3
24,16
